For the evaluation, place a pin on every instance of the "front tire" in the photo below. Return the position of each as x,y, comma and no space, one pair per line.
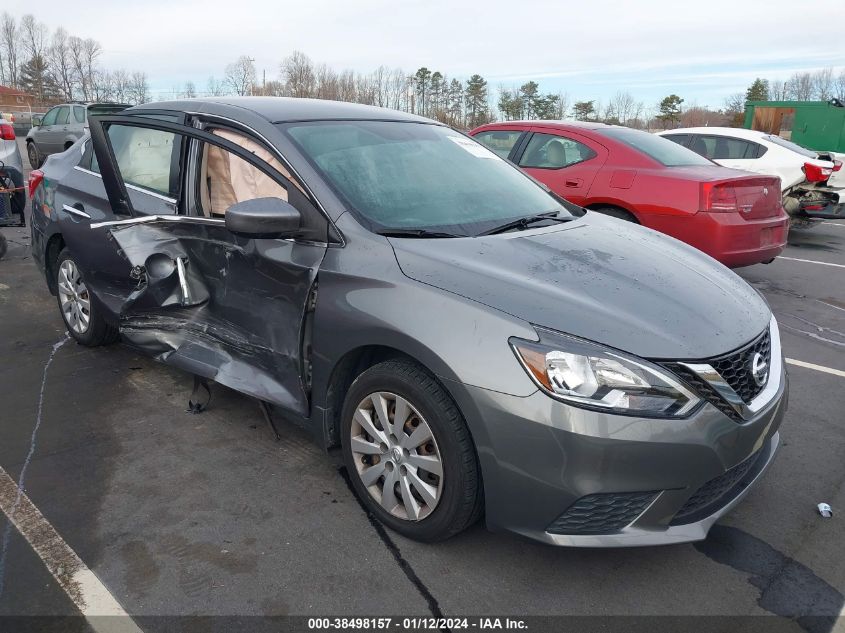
33,156
79,311
409,453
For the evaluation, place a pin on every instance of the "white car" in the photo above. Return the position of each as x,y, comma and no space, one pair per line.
805,175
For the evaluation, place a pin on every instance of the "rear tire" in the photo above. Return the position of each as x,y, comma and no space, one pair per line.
616,212
80,312
422,504
3,246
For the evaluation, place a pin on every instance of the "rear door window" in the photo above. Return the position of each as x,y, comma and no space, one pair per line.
500,141
147,158
79,114
727,148
549,151
680,139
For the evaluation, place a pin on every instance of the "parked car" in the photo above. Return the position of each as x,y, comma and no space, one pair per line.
473,343
804,173
12,194
730,215
61,127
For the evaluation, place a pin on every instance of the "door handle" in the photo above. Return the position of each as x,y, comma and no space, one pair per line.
573,182
76,210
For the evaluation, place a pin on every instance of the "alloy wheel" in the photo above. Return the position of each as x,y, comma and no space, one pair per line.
32,154
73,297
396,456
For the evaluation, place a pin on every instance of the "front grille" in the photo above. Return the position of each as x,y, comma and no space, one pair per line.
706,499
703,388
735,368
604,513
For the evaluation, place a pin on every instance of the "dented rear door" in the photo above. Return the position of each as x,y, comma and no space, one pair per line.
224,307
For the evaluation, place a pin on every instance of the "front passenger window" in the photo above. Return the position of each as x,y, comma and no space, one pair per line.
546,151
50,118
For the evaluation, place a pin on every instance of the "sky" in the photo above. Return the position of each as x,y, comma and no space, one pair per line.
702,51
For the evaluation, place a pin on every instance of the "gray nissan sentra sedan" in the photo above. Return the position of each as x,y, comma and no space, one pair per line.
476,346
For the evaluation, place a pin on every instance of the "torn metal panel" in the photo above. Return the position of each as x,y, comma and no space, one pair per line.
221,307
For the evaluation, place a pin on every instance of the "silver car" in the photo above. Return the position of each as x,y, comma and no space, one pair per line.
474,345
61,127
12,195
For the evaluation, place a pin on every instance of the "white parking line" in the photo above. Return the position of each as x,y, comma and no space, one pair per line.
821,368
834,224
811,261
90,596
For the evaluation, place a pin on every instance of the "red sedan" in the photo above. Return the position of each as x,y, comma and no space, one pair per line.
734,216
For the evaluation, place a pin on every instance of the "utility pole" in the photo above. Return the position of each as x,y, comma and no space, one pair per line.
251,88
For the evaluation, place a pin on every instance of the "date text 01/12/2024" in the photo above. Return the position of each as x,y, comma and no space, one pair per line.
417,623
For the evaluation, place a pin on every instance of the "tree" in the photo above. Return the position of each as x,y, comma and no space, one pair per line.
584,110
189,91
823,84
800,86
509,104
758,91
735,109
215,87
35,79
139,88
298,75
61,63
421,80
10,47
475,98
456,103
240,75
670,110
528,94
435,101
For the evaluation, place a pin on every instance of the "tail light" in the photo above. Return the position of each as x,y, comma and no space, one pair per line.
7,132
36,177
718,198
815,173
837,165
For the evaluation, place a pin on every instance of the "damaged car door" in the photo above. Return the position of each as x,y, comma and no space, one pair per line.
225,297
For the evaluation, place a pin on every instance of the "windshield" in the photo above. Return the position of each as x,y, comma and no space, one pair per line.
415,176
795,147
660,149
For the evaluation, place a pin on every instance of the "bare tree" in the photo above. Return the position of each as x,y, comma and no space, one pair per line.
189,91
839,85
297,71
346,86
76,50
61,64
240,75
10,44
801,86
778,90
823,84
120,82
139,88
33,36
215,88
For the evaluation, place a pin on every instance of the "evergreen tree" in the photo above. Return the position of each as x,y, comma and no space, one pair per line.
528,93
421,79
670,110
456,103
35,78
475,97
584,110
758,91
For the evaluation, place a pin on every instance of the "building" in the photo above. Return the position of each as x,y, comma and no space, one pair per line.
818,125
15,99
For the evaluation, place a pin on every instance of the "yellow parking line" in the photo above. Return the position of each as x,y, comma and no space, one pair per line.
821,368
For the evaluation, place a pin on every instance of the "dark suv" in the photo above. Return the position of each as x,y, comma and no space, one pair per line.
61,127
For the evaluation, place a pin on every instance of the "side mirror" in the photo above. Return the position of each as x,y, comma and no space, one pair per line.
263,218
36,121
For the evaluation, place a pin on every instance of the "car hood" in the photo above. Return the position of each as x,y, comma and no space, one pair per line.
600,279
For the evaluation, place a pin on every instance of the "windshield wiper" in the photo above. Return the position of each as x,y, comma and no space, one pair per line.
420,233
524,223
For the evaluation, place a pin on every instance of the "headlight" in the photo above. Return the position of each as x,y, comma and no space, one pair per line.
588,375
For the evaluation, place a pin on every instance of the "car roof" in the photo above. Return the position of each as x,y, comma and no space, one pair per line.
736,132
559,124
287,109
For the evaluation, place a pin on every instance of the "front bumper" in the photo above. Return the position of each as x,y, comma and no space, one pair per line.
539,457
